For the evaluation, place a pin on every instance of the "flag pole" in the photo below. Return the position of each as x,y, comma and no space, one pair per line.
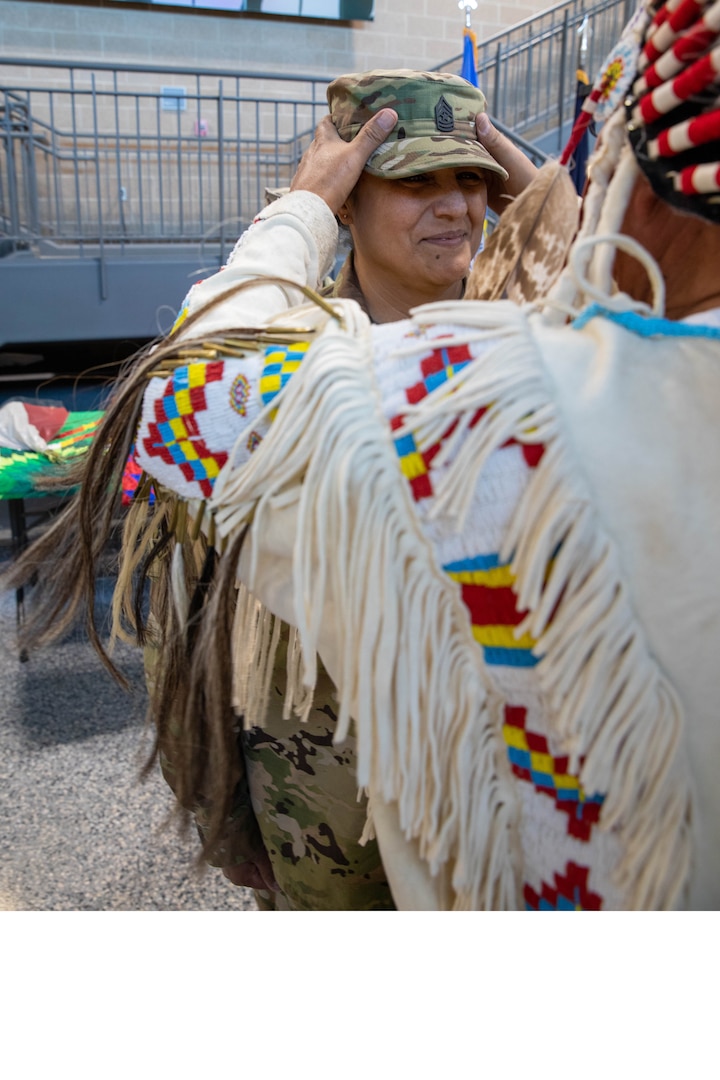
468,5
578,162
470,57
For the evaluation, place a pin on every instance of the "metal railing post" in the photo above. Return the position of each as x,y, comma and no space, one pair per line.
561,89
78,204
57,187
496,88
200,154
13,194
180,185
221,168
158,124
139,160
30,175
98,191
528,82
118,170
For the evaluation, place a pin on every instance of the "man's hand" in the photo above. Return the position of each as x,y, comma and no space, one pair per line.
253,875
520,169
331,167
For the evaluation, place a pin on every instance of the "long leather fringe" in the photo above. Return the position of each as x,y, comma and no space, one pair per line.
427,731
613,711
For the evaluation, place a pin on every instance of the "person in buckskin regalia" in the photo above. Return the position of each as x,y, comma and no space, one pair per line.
491,520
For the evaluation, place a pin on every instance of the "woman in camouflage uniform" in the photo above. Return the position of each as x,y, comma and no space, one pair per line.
399,163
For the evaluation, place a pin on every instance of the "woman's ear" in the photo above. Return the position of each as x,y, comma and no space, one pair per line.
344,214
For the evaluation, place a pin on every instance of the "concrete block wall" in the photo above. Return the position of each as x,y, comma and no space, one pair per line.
419,34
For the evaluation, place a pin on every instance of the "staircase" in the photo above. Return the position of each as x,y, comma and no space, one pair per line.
120,186
528,73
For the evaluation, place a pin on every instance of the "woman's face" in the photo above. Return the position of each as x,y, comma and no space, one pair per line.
418,234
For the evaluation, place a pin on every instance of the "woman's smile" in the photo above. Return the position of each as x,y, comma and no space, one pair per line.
415,237
447,239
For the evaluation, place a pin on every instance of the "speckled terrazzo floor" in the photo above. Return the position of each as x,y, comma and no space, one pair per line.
78,830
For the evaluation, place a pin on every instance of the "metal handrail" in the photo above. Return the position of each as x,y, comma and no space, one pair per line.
528,72
169,69
92,156
95,154
531,150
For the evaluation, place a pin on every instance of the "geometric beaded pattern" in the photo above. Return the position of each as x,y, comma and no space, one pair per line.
131,476
569,893
415,463
531,760
281,361
486,589
174,435
435,369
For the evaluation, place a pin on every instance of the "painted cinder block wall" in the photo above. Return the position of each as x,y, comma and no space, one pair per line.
404,33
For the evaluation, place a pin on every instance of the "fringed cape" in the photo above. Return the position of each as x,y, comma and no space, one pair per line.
498,536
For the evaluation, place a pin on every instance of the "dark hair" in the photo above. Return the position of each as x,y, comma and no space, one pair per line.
189,663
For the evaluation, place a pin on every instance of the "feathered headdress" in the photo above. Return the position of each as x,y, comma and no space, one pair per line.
665,72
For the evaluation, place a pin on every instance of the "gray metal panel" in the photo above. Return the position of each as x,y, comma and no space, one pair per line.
61,299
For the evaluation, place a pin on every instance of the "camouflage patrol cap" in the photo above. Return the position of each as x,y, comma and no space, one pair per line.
436,120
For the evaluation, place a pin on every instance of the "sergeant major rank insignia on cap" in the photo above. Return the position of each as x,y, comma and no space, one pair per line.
444,116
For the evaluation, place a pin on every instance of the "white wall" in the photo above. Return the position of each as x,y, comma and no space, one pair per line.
404,33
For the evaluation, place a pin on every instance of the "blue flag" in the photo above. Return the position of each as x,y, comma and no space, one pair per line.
468,70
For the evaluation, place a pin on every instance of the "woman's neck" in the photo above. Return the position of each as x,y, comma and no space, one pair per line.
387,300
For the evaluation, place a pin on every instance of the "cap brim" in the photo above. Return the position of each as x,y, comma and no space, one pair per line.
409,157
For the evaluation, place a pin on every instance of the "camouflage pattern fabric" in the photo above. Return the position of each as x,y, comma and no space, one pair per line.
436,120
296,795
305,797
